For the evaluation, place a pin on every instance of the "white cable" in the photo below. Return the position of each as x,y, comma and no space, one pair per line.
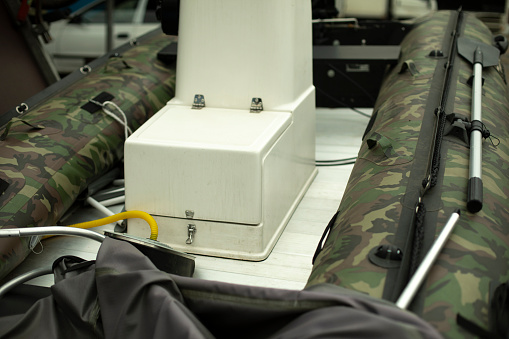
113,201
118,182
127,130
123,121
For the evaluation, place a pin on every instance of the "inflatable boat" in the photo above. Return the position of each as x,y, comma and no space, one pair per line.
415,170
411,176
58,142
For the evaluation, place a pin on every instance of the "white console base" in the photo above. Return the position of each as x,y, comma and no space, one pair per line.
241,174
221,180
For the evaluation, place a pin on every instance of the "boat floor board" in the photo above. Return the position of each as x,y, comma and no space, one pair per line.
338,136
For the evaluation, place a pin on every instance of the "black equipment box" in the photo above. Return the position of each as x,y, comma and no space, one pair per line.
350,59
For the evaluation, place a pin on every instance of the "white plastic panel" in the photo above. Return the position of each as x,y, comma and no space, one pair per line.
214,128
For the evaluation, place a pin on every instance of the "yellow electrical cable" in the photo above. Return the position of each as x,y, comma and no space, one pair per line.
120,216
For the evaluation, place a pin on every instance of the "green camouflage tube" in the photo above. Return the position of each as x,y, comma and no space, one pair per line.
390,213
56,148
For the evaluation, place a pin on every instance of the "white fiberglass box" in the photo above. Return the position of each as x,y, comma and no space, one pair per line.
234,176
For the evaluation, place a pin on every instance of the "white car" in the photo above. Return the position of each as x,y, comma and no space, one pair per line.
82,37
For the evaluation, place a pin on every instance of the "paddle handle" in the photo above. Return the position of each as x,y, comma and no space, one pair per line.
474,195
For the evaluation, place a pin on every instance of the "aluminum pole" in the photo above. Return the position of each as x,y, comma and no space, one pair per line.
422,271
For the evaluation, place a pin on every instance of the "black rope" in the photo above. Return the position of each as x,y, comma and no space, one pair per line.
339,162
418,237
484,132
440,110
336,160
437,153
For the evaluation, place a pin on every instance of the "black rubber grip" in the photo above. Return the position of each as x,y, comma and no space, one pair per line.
474,195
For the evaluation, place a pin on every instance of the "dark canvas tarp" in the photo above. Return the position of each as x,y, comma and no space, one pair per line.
123,295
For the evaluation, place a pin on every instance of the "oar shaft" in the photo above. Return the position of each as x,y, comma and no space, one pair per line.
475,154
477,92
476,114
422,271
475,186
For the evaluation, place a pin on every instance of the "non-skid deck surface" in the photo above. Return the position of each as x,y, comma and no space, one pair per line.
338,136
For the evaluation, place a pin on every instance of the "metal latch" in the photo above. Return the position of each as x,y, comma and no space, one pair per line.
191,230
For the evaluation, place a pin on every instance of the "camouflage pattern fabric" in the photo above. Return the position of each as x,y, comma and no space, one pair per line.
61,148
380,192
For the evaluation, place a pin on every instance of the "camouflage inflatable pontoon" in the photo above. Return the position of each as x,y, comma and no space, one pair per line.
412,173
62,140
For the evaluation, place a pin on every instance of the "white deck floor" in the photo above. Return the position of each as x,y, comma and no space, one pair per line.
338,136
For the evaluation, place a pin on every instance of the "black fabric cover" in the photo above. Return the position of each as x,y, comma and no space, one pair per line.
123,295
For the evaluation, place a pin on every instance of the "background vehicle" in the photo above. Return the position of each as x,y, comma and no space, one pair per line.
82,37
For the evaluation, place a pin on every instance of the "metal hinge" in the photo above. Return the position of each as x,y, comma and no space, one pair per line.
256,105
199,101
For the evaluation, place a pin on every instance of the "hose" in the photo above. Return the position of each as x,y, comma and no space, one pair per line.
120,216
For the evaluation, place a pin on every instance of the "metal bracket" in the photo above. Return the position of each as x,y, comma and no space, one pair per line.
256,105
191,230
199,101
